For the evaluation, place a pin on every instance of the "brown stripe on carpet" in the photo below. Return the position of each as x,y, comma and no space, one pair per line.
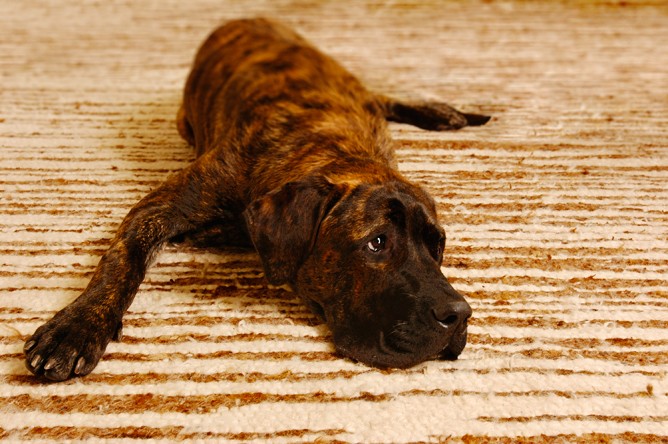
556,213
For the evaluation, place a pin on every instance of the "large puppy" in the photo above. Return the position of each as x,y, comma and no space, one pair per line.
294,158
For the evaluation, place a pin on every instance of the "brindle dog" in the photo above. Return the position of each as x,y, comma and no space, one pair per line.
295,159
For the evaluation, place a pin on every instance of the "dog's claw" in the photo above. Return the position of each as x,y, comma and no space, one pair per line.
66,346
36,362
51,363
118,336
79,368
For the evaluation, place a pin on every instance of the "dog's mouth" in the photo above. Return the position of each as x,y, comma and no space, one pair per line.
401,346
456,345
393,350
401,350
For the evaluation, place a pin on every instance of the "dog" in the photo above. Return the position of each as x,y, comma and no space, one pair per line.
294,158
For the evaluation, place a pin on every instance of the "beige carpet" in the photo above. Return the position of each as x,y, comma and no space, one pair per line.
556,213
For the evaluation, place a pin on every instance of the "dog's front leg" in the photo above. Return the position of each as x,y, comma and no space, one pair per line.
72,342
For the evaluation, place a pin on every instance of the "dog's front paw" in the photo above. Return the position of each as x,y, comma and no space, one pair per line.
69,345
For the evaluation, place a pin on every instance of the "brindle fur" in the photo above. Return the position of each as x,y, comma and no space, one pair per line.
295,159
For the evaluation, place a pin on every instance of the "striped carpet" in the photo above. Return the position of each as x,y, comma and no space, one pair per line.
556,213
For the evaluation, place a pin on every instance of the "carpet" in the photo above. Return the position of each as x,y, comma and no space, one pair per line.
556,213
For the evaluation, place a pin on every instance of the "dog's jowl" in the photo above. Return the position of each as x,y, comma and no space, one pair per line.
295,160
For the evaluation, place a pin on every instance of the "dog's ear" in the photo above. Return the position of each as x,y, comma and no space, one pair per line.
284,225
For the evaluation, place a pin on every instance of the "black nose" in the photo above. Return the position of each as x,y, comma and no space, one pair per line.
452,314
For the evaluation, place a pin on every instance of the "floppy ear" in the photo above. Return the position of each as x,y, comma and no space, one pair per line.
284,224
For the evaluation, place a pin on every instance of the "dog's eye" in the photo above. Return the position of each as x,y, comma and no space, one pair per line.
377,244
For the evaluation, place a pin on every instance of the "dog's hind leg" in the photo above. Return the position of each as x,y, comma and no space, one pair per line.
72,342
429,115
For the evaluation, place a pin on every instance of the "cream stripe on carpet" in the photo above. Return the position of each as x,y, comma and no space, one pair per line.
556,213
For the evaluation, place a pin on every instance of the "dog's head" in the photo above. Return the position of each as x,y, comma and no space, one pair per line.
366,257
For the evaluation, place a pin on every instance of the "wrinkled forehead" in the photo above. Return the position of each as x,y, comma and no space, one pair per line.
367,209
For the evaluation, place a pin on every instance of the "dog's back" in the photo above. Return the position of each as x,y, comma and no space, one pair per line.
255,83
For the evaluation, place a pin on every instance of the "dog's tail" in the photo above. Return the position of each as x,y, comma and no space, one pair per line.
429,115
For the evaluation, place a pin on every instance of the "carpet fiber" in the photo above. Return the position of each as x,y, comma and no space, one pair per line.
556,213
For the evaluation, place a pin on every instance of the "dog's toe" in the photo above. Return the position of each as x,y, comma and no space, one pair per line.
65,347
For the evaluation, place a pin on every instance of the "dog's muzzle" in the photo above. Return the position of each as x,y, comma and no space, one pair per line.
433,331
453,319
